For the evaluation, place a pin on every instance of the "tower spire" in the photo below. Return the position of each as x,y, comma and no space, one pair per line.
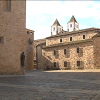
73,19
72,25
56,28
56,23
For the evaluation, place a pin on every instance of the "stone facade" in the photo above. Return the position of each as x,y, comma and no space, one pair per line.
76,35
13,35
76,49
76,54
71,56
29,50
96,41
38,44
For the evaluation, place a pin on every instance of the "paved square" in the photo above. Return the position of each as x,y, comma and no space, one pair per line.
51,85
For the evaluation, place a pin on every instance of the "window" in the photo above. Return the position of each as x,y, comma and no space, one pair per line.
70,38
78,51
65,51
78,63
7,5
70,25
54,52
83,36
1,39
60,40
54,29
65,63
27,32
54,64
30,41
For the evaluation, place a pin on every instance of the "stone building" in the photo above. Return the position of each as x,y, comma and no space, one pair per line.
14,37
38,44
72,49
29,50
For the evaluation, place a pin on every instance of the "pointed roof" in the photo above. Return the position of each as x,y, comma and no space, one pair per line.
56,23
72,19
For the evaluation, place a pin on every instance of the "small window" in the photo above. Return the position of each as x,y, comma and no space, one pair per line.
83,36
70,38
54,29
1,39
54,52
70,25
54,64
30,41
65,51
65,63
78,50
60,40
7,5
27,32
78,63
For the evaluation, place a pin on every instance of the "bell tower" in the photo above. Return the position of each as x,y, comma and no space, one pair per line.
56,28
72,25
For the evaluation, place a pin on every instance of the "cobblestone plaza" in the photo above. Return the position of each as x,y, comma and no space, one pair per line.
51,85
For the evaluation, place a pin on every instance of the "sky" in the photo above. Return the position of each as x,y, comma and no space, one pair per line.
40,15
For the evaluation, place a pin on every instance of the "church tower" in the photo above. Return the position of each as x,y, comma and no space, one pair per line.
13,36
72,25
56,28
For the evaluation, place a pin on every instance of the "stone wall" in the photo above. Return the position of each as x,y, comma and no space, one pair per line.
66,38
38,52
37,42
13,32
39,55
29,50
86,56
96,52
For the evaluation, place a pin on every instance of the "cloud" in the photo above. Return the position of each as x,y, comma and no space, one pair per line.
83,26
42,32
65,27
43,18
81,9
99,23
42,14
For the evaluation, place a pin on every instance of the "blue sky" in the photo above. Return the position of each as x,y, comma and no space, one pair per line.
40,15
